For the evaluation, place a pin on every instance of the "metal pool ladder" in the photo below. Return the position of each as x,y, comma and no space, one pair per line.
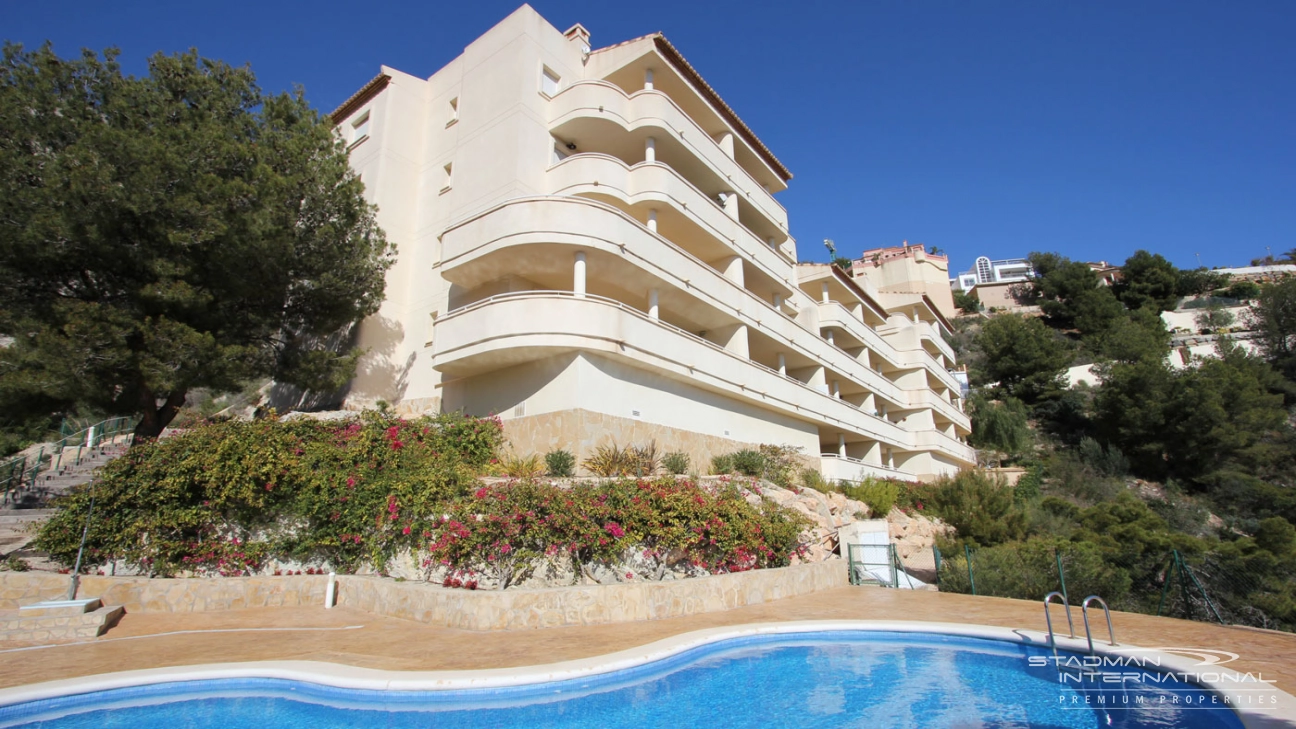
1084,612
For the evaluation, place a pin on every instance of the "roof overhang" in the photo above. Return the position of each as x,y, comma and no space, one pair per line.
360,98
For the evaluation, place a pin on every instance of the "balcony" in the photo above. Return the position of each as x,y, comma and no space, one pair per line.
576,110
510,329
685,215
844,468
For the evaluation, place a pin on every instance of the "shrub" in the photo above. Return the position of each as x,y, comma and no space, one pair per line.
515,466
980,507
504,531
780,463
749,462
645,460
812,479
1105,461
16,564
560,464
223,498
880,495
611,460
676,463
722,464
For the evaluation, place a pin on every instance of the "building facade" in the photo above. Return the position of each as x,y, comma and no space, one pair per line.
908,269
589,246
986,271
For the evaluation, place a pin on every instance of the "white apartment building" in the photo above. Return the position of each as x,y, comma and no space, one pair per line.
590,247
986,271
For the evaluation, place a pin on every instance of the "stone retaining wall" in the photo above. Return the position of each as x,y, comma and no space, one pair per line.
452,608
144,595
584,604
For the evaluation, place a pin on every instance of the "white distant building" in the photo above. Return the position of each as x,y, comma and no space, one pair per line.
589,246
986,271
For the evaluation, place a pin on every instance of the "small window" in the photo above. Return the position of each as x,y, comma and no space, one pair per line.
449,176
549,83
360,129
454,111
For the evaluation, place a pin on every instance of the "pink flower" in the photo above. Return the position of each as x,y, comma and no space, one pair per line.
406,530
614,529
351,482
629,575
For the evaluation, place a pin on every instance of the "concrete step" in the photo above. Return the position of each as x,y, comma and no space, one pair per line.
46,628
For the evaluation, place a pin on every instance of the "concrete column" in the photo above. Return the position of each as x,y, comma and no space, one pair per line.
870,403
916,316
782,364
836,389
650,150
732,268
778,301
818,380
652,304
648,79
652,220
828,335
730,203
578,275
841,444
770,242
824,289
873,454
890,458
726,143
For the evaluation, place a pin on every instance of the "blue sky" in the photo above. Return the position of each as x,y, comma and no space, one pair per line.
1088,128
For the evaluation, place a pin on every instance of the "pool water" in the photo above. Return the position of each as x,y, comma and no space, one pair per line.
828,679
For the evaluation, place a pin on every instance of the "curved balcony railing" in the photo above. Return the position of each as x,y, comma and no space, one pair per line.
652,108
845,468
488,329
528,221
607,175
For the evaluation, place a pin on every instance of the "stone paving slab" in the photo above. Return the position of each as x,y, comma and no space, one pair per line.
316,634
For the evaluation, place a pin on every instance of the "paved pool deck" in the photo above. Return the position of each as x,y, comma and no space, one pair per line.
355,638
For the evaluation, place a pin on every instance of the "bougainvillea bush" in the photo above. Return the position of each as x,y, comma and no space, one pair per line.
223,498
228,498
504,532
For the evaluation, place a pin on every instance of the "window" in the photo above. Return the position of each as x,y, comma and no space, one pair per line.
549,82
454,111
360,129
449,176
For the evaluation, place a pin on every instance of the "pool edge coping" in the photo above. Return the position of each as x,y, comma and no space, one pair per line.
337,675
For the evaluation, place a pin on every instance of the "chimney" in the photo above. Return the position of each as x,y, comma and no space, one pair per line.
581,37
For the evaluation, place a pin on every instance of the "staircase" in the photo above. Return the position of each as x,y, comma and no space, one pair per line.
74,466
54,621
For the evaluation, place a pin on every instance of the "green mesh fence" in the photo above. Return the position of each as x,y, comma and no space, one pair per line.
1226,586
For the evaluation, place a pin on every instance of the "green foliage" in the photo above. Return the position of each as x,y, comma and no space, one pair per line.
1199,281
1242,291
722,464
610,459
1065,290
1275,322
1214,317
560,464
170,231
1104,460
15,564
980,507
999,425
780,463
1140,335
812,479
516,466
967,303
224,498
1023,355
503,531
1149,281
676,463
881,495
748,462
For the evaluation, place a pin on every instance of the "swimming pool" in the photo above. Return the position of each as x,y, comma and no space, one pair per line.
837,678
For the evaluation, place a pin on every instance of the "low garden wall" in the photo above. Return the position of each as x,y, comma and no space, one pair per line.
585,604
452,608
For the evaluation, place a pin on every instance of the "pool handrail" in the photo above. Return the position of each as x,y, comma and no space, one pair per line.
1048,619
1084,612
